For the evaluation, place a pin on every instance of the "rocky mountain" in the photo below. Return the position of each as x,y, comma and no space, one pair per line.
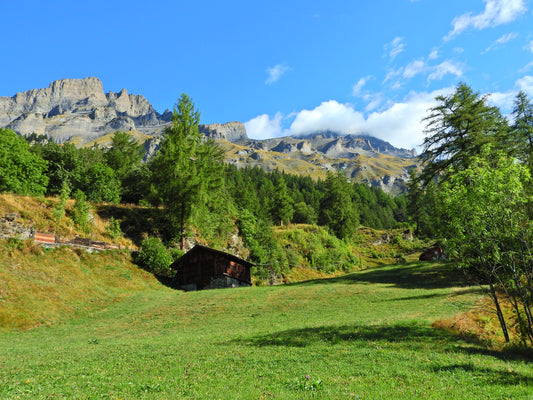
230,131
360,158
78,110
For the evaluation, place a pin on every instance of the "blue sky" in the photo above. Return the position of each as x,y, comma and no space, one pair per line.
280,67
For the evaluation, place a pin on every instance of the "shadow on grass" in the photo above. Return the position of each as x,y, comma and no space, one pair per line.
417,275
492,376
412,336
304,337
136,222
436,295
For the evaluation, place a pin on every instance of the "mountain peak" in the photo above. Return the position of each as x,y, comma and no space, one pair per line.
79,108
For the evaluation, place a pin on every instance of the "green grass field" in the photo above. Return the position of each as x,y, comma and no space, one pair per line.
366,335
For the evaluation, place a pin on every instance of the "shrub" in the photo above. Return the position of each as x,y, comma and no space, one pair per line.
113,228
80,212
154,257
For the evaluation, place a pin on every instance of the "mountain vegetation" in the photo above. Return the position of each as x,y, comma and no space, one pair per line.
473,196
477,179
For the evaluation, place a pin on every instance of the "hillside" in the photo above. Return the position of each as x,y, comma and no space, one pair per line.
366,335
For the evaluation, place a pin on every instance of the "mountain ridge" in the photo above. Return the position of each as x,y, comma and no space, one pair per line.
78,111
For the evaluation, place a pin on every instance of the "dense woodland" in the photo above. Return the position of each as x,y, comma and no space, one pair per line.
474,194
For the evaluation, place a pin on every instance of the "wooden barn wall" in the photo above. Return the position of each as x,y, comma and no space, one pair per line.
201,267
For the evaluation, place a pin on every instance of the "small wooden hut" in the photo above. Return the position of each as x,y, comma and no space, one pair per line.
206,268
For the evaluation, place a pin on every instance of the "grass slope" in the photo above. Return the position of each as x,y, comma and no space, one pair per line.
366,335
46,287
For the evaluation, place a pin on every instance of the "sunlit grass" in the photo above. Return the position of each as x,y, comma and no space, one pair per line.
366,335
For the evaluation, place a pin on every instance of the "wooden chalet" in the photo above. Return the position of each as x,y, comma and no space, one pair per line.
206,268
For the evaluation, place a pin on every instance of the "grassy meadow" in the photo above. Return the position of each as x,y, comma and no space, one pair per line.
365,335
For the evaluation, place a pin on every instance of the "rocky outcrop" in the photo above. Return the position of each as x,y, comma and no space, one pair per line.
12,227
79,108
230,131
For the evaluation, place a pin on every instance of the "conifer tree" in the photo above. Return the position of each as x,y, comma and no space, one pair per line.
186,169
337,210
522,129
457,128
283,204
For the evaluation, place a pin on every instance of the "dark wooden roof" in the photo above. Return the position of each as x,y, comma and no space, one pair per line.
199,248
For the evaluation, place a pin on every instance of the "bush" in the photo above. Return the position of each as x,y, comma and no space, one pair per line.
80,212
113,228
154,257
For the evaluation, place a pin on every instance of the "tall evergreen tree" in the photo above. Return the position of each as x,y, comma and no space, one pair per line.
457,128
337,210
186,169
522,129
283,209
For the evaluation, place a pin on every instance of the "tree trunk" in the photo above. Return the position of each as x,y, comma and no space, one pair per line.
499,313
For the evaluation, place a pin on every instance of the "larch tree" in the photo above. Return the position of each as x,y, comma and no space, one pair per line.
186,170
456,129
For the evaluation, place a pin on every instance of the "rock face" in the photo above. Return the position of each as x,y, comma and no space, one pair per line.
330,144
78,108
11,227
231,131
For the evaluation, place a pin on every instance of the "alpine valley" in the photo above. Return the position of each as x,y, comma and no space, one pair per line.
78,111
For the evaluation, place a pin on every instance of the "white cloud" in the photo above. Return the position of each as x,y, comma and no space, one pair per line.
276,72
445,68
497,12
330,115
433,55
395,47
527,67
358,87
529,46
414,68
400,124
525,84
503,100
502,40
262,127
393,74
417,67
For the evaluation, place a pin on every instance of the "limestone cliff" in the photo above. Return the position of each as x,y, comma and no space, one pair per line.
230,131
78,108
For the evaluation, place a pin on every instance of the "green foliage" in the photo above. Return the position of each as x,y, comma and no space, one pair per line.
136,185
521,132
101,184
81,210
283,209
124,155
21,171
186,171
337,211
304,214
488,229
154,257
314,247
59,209
113,229
457,128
